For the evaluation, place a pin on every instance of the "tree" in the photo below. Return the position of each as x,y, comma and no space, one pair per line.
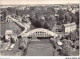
66,51
77,18
4,13
46,25
17,12
65,17
67,42
11,10
38,24
61,16
74,35
50,21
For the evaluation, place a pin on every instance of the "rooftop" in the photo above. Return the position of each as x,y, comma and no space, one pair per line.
8,32
70,24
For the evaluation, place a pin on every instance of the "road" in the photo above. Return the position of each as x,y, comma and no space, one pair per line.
25,27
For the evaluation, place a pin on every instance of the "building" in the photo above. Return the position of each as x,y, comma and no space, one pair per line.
74,11
56,9
57,16
27,15
0,15
69,27
8,33
8,19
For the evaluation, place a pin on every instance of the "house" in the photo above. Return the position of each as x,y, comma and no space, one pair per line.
0,15
27,15
10,36
69,27
8,33
57,16
56,9
8,19
74,11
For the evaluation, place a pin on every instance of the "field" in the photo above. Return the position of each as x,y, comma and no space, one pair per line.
9,26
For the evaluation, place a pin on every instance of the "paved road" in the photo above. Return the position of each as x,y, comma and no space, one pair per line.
25,27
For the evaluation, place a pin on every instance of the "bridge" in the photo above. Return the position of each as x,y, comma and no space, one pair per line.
36,47
40,32
39,46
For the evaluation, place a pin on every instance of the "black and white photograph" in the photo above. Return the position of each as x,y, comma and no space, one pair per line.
39,28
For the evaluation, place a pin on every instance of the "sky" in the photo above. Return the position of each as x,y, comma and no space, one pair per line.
25,2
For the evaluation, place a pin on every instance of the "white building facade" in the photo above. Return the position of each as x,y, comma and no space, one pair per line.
70,27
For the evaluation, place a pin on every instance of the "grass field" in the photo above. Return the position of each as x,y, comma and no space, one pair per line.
9,26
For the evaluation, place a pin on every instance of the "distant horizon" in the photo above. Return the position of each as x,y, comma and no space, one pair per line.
37,2
6,6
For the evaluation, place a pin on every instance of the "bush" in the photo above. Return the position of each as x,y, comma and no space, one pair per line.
66,51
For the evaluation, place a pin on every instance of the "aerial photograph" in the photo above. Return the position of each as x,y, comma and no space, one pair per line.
39,30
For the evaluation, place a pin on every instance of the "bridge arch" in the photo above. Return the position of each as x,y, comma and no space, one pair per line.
40,32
